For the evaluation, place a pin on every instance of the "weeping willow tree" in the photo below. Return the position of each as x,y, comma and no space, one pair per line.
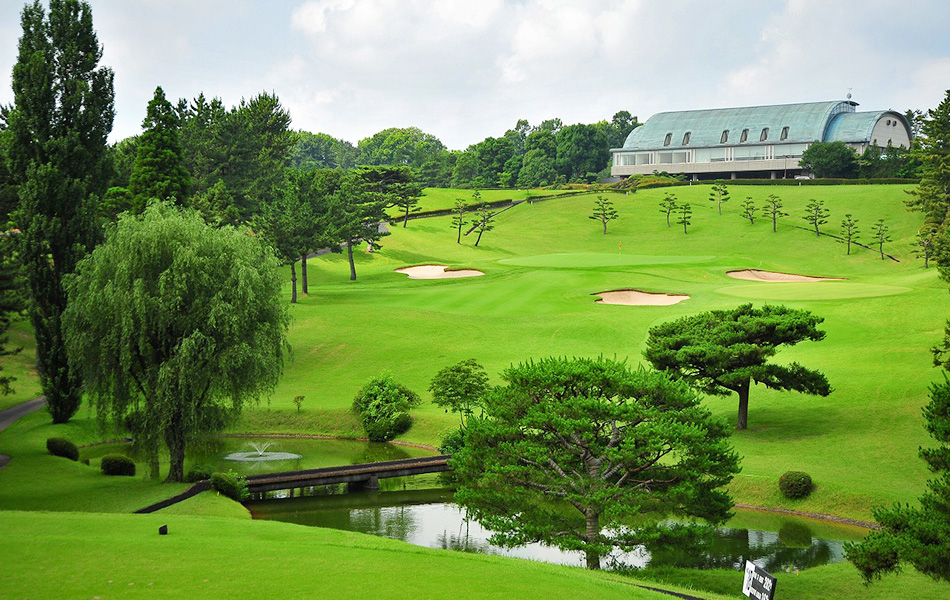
174,325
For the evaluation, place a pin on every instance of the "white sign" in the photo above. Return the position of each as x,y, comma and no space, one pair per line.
757,584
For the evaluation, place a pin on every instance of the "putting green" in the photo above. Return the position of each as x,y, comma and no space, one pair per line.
826,290
581,260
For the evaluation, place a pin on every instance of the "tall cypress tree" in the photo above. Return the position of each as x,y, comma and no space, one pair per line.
159,170
62,115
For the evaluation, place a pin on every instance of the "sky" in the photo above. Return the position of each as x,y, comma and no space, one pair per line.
464,70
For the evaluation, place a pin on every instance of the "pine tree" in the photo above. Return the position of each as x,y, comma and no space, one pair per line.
749,209
604,212
61,118
816,214
159,170
773,208
458,218
719,193
849,231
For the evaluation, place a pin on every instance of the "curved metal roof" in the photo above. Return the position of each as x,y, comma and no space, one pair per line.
858,127
806,123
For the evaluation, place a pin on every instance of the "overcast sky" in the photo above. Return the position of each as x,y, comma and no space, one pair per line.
464,70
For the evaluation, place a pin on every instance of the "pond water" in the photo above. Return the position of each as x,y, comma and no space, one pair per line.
428,517
313,453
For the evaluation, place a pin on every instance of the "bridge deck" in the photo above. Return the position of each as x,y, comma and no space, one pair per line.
347,474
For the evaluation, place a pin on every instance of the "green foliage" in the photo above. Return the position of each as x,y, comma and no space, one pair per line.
117,465
684,210
176,322
830,159
719,193
849,230
298,401
795,484
460,387
321,151
159,171
880,236
382,407
925,244
62,447
199,473
773,208
816,214
582,152
483,222
230,484
572,449
452,441
11,304
723,351
604,212
748,210
61,117
918,536
668,205
458,218
932,196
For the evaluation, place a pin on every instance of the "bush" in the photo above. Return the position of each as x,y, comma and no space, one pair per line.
62,447
452,441
199,473
382,407
230,484
117,464
795,484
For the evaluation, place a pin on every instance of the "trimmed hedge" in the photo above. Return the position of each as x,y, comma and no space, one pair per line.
199,473
230,484
62,447
117,464
795,484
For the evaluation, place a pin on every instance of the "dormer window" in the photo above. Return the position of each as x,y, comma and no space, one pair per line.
784,135
724,137
744,136
686,138
668,139
765,134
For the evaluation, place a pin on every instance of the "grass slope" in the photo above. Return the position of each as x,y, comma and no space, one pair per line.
73,555
543,263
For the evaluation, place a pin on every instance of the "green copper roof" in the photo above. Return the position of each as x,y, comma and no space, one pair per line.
806,122
857,126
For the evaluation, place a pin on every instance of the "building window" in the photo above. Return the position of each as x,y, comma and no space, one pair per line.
669,138
765,134
724,137
686,138
784,135
744,136
888,121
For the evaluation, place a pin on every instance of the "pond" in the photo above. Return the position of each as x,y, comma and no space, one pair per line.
313,453
428,517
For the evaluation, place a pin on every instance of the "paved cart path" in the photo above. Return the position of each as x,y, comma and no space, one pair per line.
10,415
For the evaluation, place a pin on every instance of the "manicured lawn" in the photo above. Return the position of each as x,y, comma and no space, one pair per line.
71,555
21,365
544,263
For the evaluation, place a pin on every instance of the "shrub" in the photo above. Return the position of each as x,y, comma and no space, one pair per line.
230,484
382,407
199,473
117,464
452,441
62,447
795,484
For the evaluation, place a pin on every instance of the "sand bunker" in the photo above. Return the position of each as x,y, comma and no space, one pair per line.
638,298
437,272
756,275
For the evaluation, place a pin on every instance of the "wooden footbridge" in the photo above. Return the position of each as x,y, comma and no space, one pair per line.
366,475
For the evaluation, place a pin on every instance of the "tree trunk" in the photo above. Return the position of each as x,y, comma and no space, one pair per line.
605,227
593,530
743,392
175,439
479,237
773,223
293,282
153,464
684,227
405,221
349,255
303,274
459,241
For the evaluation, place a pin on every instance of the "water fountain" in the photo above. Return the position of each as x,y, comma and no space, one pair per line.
260,454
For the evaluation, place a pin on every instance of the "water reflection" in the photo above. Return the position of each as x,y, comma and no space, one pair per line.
428,517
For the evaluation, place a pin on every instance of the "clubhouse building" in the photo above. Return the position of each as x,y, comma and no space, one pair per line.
752,141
